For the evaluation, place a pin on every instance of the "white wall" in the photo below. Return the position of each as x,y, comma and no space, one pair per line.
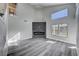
26,12
77,17
3,36
16,23
70,20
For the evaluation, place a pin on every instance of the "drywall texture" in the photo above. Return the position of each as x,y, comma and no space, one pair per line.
70,20
2,36
77,17
26,14
22,21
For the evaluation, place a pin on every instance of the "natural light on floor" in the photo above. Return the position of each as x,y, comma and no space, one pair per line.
14,39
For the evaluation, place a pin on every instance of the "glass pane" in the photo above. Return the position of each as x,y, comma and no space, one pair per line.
60,14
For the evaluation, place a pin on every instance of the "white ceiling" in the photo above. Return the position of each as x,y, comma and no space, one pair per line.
41,5
37,5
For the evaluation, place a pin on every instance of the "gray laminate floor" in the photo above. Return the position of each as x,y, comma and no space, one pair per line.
42,47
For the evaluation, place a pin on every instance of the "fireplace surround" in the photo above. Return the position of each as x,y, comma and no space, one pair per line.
39,29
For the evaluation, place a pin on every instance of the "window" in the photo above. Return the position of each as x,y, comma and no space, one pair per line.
12,9
59,14
63,30
55,29
60,30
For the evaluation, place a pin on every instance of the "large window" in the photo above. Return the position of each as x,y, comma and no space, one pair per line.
55,29
59,14
60,30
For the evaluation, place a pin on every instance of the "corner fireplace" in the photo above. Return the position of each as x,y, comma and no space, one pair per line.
39,29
